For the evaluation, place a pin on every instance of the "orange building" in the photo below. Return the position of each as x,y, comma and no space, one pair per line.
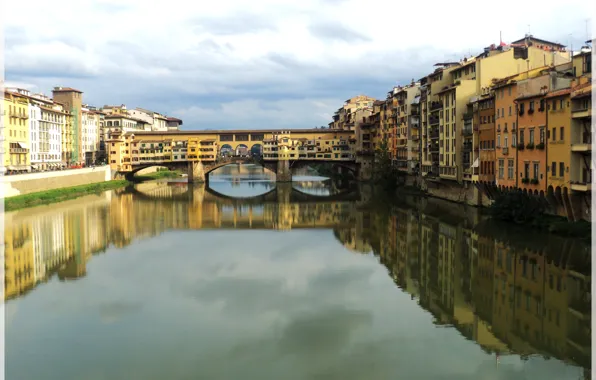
506,120
531,156
486,134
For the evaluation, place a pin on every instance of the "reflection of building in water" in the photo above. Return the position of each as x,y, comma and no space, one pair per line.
19,272
510,298
57,237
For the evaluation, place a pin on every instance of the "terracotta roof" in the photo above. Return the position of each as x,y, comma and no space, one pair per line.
529,96
564,91
66,89
582,89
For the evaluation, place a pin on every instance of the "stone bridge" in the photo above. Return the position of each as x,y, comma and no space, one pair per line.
200,152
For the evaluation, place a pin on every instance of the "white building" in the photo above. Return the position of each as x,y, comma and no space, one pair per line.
34,134
90,135
156,121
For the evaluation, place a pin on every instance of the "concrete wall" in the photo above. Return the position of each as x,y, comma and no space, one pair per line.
35,182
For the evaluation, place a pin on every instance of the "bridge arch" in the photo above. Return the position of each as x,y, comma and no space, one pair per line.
241,150
256,150
225,150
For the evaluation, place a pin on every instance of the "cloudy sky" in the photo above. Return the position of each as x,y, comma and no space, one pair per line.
259,64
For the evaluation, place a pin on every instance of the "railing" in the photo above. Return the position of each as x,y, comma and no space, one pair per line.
467,131
18,150
434,134
505,151
433,120
435,106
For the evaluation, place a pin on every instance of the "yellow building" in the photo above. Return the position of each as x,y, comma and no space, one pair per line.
559,138
16,134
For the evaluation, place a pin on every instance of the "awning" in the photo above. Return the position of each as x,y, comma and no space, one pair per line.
22,145
476,163
34,166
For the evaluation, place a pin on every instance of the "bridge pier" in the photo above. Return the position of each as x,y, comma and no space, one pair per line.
283,173
196,172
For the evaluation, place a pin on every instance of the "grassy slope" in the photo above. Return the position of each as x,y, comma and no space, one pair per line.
57,195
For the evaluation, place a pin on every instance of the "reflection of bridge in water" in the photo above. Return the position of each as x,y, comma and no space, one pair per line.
283,207
281,193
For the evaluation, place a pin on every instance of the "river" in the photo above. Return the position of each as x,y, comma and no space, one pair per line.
247,279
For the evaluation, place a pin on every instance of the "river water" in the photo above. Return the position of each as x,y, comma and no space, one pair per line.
249,280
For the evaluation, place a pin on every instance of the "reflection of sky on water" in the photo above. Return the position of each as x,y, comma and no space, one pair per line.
241,305
254,180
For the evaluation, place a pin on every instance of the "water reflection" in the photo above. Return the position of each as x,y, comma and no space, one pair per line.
516,298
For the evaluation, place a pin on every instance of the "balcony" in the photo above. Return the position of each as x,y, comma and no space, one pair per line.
468,115
436,106
18,150
505,151
581,113
433,120
581,148
434,134
467,131
583,185
467,148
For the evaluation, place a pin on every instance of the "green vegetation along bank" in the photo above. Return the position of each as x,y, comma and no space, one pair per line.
67,193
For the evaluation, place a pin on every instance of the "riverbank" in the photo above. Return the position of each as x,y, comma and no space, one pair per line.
539,220
66,193
58,195
160,174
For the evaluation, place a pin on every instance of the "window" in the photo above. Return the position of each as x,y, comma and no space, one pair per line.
541,104
562,133
509,109
561,104
521,136
510,169
521,108
502,112
531,136
505,141
531,107
498,141
554,169
536,170
541,135
554,105
554,135
527,170
501,168
561,169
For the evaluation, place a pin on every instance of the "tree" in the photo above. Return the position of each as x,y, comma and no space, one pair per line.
385,174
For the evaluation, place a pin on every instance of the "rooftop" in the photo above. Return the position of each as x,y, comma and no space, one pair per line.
230,131
66,89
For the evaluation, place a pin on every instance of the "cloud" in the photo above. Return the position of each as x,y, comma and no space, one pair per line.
199,63
336,32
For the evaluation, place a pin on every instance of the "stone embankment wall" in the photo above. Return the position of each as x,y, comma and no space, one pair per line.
32,183
461,193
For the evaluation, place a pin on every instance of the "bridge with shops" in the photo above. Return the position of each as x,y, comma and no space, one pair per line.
199,152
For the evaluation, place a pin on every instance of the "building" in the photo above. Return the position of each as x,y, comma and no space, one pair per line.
72,100
532,125
406,126
350,105
173,124
91,123
154,120
486,137
16,135
581,169
558,110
